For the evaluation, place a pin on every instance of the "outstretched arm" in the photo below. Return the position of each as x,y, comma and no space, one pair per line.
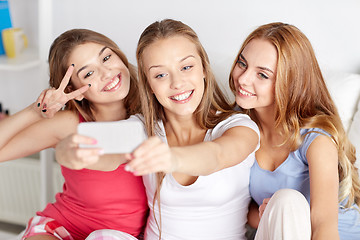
35,127
199,159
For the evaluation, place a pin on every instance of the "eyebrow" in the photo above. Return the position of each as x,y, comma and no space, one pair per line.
262,68
82,68
181,60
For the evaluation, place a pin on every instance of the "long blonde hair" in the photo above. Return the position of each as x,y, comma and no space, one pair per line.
213,108
302,100
59,54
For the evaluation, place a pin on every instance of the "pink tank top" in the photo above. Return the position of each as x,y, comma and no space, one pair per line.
93,200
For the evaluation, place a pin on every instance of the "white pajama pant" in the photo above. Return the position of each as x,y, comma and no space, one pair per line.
108,234
286,217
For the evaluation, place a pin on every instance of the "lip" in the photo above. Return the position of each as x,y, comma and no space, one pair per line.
114,88
179,98
244,93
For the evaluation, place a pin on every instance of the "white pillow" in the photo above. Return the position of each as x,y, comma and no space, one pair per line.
354,135
345,91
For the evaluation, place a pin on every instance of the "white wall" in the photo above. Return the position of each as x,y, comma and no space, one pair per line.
332,26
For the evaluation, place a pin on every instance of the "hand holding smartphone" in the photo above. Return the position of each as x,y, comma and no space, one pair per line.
114,137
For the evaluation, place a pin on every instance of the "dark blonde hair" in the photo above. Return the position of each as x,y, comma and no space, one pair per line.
302,100
59,54
213,108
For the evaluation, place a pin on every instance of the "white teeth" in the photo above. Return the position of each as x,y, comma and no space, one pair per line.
182,96
112,85
245,93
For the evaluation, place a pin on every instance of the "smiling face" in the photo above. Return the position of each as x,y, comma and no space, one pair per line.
99,66
254,75
175,74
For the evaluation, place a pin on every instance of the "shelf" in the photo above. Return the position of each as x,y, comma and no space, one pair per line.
26,60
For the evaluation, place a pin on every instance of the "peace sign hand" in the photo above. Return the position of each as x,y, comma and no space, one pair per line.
52,100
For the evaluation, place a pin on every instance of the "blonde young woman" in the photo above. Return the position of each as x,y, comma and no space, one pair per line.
200,148
103,195
277,81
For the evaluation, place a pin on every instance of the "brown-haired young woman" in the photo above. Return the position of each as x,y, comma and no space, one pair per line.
103,195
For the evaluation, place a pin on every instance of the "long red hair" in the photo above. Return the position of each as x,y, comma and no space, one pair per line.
302,100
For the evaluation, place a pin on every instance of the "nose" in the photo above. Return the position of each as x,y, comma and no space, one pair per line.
243,78
177,82
105,73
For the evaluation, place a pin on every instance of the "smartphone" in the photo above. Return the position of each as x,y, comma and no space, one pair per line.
114,137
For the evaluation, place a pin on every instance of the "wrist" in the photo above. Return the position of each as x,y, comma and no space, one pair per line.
35,111
175,160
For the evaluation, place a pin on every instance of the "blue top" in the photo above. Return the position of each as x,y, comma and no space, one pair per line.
293,173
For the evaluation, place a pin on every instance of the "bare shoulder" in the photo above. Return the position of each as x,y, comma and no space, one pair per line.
323,147
322,142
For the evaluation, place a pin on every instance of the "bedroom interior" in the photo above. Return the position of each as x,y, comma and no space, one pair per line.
27,184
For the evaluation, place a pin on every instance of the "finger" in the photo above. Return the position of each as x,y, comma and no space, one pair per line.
39,100
141,169
83,163
151,154
45,101
66,78
134,164
260,214
128,156
155,161
88,155
78,92
261,210
144,170
81,139
146,147
145,159
161,164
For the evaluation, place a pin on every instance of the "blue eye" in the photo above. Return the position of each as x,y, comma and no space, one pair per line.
160,75
186,67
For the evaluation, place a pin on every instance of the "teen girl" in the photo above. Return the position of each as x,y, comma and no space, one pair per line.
103,195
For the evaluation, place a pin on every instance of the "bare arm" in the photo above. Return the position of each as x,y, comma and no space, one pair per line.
15,123
35,127
71,156
199,159
40,135
322,157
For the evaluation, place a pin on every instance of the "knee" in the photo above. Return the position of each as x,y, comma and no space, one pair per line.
288,195
288,204
285,197
109,234
286,216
